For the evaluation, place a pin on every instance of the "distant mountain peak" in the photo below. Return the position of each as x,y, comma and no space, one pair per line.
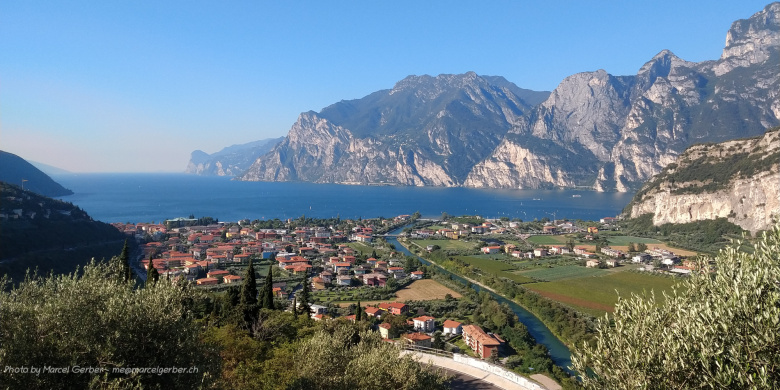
230,161
439,82
595,129
752,41
662,64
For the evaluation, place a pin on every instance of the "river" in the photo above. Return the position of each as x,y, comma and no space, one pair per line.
559,353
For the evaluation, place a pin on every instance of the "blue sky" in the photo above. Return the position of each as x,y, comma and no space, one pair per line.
135,86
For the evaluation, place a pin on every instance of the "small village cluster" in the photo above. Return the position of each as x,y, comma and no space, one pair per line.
202,253
608,257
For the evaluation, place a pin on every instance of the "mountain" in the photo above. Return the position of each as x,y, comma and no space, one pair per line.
738,180
632,126
49,234
16,170
595,130
230,161
424,131
49,169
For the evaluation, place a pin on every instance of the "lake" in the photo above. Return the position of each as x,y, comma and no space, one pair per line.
156,197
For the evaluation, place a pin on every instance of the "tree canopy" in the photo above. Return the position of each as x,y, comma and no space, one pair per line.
717,330
92,319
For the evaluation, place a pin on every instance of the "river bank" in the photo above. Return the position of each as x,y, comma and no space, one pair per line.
558,351
492,290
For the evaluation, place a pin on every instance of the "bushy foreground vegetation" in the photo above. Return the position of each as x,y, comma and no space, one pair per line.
101,321
721,333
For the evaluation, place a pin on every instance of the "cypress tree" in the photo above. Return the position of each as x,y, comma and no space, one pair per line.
358,313
267,296
152,276
295,308
124,262
248,297
304,295
155,275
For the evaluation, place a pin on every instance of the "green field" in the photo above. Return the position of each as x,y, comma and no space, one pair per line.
625,240
597,295
438,227
563,272
456,245
361,248
548,240
495,267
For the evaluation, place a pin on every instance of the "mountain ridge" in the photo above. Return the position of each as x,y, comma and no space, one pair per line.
738,180
16,170
477,131
231,160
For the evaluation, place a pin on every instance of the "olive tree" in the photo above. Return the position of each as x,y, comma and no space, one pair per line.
350,358
717,330
93,319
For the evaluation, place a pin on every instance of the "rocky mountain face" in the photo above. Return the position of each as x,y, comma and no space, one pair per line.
738,180
425,131
594,130
230,161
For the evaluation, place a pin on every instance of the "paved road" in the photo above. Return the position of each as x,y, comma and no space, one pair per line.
473,375
461,381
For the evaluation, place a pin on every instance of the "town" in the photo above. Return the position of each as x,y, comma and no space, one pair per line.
344,262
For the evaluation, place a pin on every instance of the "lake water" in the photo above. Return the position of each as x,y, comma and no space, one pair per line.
156,197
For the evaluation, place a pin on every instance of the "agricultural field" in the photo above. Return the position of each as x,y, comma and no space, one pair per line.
362,248
625,240
456,245
563,272
681,252
425,290
495,267
548,240
596,295
419,290
362,303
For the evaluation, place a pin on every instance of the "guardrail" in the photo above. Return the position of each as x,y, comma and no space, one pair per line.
432,351
481,365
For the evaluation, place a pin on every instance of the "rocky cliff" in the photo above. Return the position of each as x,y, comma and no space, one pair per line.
594,130
425,131
738,180
230,161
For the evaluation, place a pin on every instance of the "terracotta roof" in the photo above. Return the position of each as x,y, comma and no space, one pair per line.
451,324
424,318
373,310
478,334
385,325
417,336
